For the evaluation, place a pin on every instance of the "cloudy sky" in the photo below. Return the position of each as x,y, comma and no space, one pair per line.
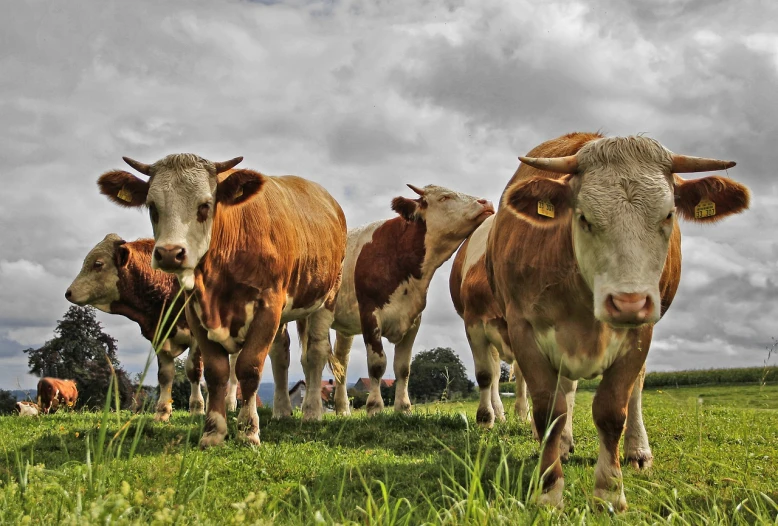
364,96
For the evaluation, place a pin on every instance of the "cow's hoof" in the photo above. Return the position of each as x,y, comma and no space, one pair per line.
612,499
231,405
640,459
196,407
403,407
484,417
343,412
251,439
212,439
553,497
163,415
566,447
373,407
311,415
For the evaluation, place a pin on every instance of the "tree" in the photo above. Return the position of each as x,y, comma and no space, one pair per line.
80,351
438,373
505,372
181,386
7,402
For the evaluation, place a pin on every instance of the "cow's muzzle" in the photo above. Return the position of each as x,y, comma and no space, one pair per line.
629,308
170,257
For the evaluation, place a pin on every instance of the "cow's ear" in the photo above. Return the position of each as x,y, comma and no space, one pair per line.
239,186
540,201
408,209
709,199
123,188
121,254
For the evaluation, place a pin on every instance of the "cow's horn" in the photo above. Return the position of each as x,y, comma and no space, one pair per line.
226,165
687,164
416,189
562,165
145,169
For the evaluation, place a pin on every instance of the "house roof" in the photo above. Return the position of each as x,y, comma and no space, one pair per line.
327,386
386,382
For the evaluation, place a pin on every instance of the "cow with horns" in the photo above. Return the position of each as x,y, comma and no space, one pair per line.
254,252
583,258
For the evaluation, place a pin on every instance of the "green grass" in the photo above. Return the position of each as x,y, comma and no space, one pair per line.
715,449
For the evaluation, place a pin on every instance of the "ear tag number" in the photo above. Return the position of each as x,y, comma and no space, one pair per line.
706,208
125,195
545,208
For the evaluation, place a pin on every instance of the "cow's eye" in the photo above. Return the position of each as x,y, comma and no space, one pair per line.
670,215
202,212
585,225
97,265
154,213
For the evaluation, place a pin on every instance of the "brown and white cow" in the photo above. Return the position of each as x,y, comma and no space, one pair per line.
25,408
487,334
388,268
117,278
53,392
584,256
254,252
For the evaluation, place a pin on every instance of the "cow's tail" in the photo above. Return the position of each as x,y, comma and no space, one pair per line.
333,364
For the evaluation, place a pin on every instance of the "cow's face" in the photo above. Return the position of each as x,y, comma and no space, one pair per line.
96,284
622,201
182,195
449,215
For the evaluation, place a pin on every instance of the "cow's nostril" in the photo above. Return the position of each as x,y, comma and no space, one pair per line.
180,255
157,254
68,294
482,201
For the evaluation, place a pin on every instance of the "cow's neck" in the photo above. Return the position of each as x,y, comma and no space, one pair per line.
437,251
143,302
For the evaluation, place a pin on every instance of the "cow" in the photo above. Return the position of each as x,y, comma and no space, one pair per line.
487,335
25,408
52,392
116,277
583,258
388,268
253,252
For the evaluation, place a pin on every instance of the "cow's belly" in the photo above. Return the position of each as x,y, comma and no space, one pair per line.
291,314
580,365
400,312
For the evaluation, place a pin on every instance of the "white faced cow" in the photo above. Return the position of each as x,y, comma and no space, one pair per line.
388,268
584,256
117,278
254,252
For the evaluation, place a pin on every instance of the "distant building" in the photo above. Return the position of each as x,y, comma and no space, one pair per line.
363,384
297,392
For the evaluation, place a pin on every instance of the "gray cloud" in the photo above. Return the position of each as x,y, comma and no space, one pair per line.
364,97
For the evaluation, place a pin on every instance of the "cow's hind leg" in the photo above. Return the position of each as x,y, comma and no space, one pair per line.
313,360
637,451
166,373
521,406
566,443
342,350
279,361
194,372
484,372
497,406
402,367
231,400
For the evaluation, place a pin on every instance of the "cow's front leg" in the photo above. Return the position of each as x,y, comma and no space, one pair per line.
194,372
609,411
497,406
216,369
342,351
166,373
484,372
376,361
566,443
637,451
549,409
402,367
314,358
279,361
251,362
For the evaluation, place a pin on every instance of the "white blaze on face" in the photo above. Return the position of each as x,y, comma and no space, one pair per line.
451,215
180,199
96,284
622,222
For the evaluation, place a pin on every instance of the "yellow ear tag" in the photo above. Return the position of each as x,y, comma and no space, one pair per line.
125,195
238,193
706,208
545,208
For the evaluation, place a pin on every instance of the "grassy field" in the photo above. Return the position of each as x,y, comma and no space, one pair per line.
715,449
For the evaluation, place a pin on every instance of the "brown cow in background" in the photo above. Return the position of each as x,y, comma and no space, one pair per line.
52,392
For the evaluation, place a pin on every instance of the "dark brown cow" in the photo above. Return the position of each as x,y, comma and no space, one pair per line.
255,252
584,256
52,392
117,278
